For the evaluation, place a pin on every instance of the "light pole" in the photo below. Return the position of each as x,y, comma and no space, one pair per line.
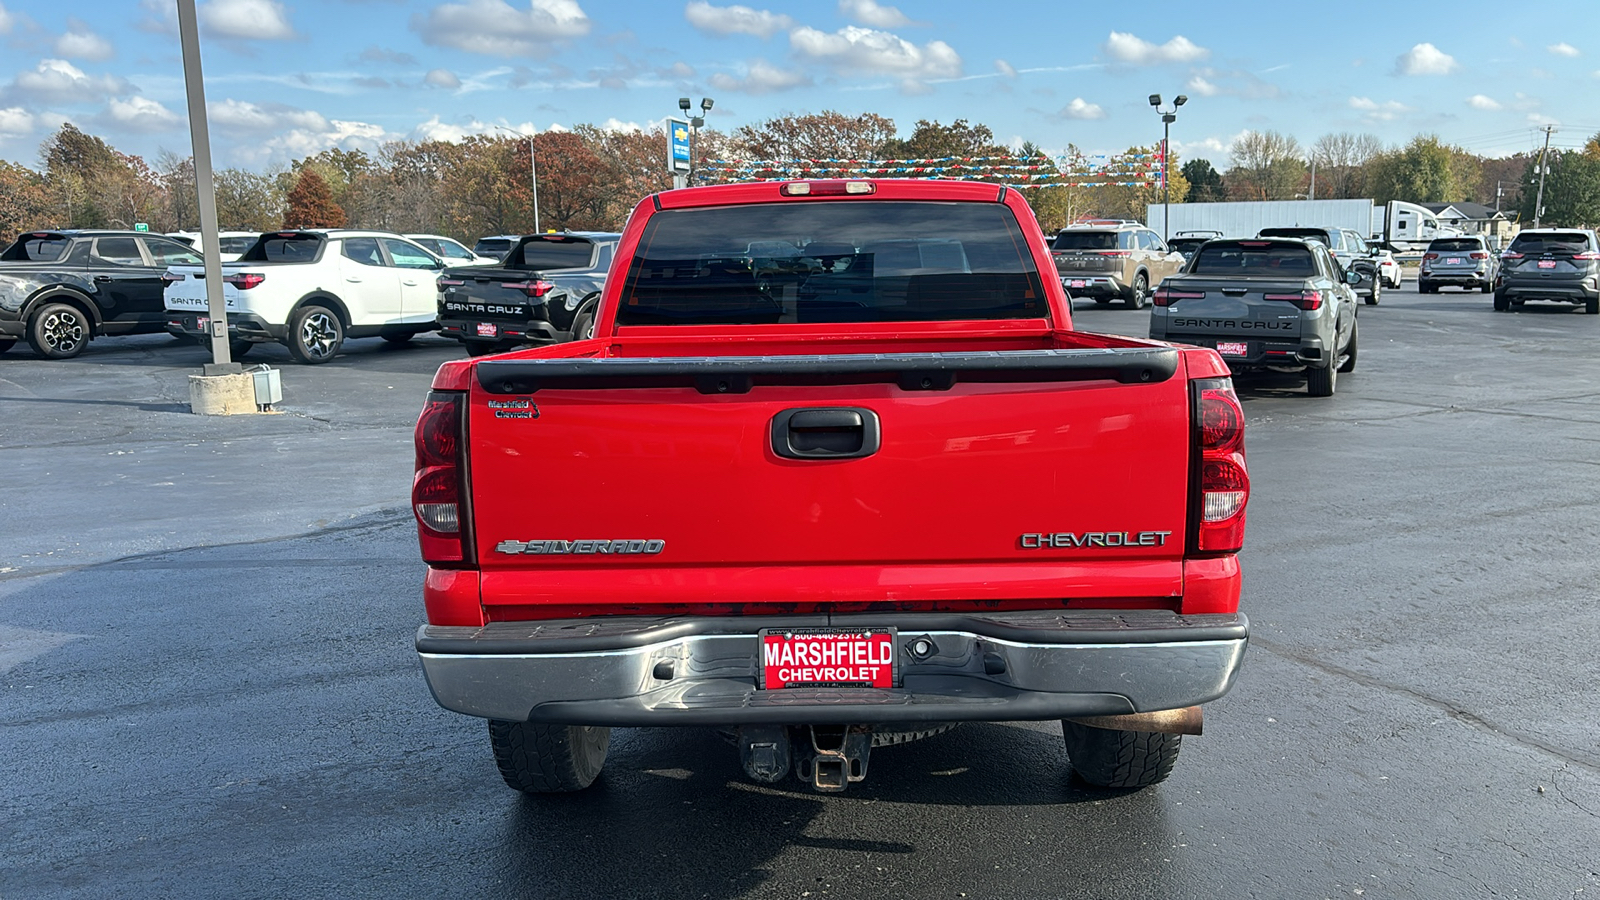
695,123
1167,118
533,166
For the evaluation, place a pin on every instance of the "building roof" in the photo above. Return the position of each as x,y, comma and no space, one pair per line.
1468,210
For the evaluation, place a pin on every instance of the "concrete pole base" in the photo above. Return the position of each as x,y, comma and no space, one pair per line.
222,395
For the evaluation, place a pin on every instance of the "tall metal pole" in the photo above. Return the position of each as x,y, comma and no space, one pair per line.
1544,166
1311,192
200,138
533,166
1166,176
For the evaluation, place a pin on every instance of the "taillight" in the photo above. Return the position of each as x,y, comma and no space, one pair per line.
1115,252
445,283
1304,299
1511,254
1430,256
531,288
244,281
1478,254
1586,255
1165,297
438,490
1221,480
170,278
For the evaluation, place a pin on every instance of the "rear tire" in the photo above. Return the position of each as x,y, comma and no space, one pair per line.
238,349
1486,287
1120,759
1501,304
1349,364
1377,292
1592,306
1424,288
1322,382
315,334
1140,290
548,759
59,331
583,326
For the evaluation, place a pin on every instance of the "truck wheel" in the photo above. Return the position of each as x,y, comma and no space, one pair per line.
1321,382
1349,364
548,759
58,331
1141,288
1120,759
315,334
1501,304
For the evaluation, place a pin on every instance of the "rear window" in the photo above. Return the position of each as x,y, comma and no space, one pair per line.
236,244
1085,240
1560,242
875,261
492,247
284,248
1186,245
557,253
38,249
1254,258
1456,245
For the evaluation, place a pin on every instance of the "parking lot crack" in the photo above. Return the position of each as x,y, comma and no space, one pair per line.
1465,716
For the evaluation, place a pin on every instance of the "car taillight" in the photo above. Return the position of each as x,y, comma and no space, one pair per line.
1304,299
1478,254
170,278
1221,480
444,282
1511,254
1586,255
1165,297
244,281
531,288
1430,256
1115,252
438,490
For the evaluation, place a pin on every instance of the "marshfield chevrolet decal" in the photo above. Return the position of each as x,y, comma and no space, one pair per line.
581,548
1074,540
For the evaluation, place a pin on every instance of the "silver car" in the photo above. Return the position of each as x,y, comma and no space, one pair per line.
1465,262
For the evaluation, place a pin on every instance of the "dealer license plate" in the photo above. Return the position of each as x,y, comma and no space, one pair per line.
488,329
827,657
1076,284
1233,348
1547,264
202,323
1453,261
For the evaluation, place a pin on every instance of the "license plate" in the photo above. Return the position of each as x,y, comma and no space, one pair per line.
827,657
1076,284
1547,264
1454,261
1233,348
202,323
488,329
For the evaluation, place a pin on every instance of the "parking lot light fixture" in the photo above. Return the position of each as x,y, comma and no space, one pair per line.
695,124
1168,116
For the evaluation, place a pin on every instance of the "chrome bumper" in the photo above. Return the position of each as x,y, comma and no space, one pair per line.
707,671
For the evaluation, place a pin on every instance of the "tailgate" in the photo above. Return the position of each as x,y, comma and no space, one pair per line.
1022,483
1234,308
189,293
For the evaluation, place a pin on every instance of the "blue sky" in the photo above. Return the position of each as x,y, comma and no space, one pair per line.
285,78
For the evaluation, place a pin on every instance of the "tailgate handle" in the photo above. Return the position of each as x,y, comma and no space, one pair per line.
825,433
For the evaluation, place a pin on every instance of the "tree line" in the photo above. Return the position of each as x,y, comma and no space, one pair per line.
590,177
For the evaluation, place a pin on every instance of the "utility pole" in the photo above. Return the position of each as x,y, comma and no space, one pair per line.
1311,193
1538,204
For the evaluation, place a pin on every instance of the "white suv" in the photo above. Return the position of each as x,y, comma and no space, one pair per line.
312,289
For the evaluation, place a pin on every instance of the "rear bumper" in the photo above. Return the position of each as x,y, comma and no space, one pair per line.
1093,285
529,331
1452,276
1569,290
246,326
1261,353
1001,667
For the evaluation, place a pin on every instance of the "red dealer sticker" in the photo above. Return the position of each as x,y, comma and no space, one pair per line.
827,658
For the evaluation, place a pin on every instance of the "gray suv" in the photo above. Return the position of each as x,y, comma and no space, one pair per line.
1559,264
1462,261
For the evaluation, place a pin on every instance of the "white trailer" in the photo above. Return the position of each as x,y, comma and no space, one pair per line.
1399,226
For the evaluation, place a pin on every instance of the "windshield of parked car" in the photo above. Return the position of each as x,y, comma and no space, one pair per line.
40,248
557,251
1085,240
1455,245
876,261
1558,242
236,244
284,247
1254,258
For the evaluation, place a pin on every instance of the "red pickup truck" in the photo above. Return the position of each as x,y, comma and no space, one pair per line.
834,472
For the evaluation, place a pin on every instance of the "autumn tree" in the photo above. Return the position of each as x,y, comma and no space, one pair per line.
1265,165
311,204
24,203
932,140
825,135
1425,170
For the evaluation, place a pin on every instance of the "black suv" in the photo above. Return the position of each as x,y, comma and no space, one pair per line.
1560,264
1349,250
60,289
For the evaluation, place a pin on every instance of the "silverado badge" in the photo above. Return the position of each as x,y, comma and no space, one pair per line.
580,548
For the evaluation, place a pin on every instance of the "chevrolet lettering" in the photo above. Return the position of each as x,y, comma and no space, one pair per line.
580,548
1068,540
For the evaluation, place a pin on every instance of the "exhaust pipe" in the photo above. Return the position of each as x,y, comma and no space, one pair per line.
1164,721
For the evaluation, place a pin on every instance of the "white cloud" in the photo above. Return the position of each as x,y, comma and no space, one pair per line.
442,78
7,21
761,77
853,50
495,28
615,124
303,142
1130,48
1005,68
1387,111
726,20
56,80
16,121
1564,49
1202,87
254,20
435,130
1425,59
244,117
1082,109
82,43
868,12
141,114
1480,101
1541,119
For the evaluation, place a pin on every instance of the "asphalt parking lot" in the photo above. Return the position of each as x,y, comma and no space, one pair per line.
205,655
